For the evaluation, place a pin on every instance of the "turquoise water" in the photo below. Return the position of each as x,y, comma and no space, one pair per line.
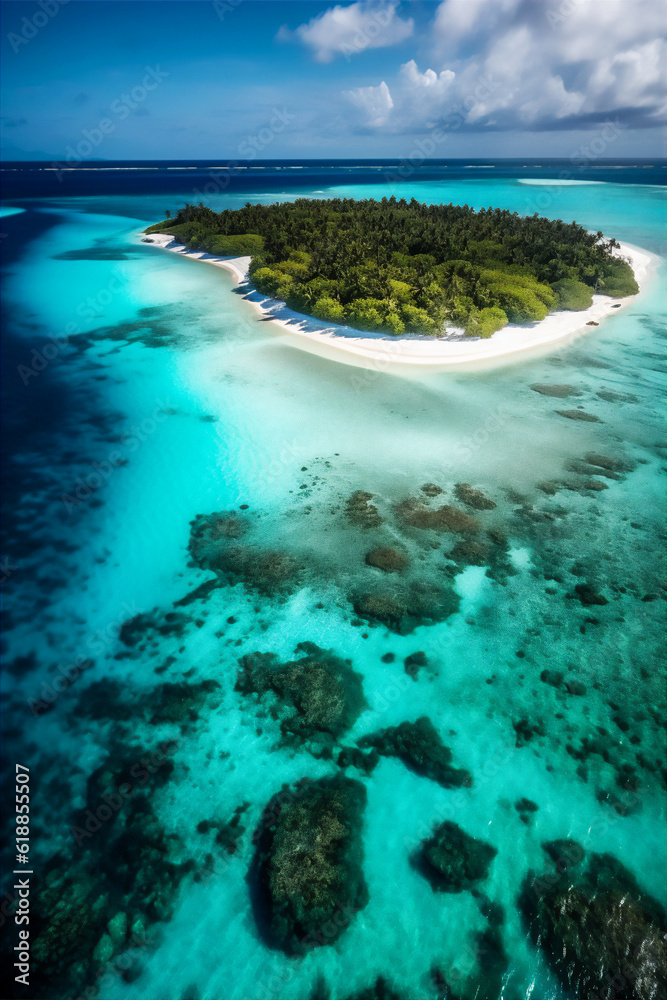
172,399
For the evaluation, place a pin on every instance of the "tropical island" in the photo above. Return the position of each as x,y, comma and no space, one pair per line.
397,267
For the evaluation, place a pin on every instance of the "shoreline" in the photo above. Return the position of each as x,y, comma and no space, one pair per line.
380,351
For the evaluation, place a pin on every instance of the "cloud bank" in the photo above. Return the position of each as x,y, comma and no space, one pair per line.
516,64
350,30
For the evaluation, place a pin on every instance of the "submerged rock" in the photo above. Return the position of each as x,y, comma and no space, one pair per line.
550,487
594,485
610,396
564,853
627,803
526,806
415,514
610,463
382,989
431,490
452,860
493,963
419,746
526,809
472,497
361,512
319,694
579,415
588,595
588,469
387,559
601,934
553,677
308,863
526,730
414,662
560,391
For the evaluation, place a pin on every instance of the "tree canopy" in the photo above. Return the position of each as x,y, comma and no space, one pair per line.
397,266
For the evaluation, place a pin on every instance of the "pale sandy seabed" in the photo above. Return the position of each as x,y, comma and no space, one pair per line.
386,352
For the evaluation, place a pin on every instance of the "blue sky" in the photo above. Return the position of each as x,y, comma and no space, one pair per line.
240,79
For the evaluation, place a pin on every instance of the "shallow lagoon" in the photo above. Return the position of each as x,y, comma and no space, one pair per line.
170,400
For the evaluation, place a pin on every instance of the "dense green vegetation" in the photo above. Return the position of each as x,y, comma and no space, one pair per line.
398,266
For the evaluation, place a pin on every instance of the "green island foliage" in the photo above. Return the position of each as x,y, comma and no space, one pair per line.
395,266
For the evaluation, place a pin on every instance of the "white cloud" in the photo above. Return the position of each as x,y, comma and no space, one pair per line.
374,103
520,64
428,83
463,19
635,78
423,95
366,24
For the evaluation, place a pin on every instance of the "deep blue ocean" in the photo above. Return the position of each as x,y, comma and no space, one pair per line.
142,394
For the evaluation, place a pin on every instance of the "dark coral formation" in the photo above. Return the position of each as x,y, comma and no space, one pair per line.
564,853
560,391
452,860
579,415
210,532
229,832
387,559
176,702
472,497
602,935
494,554
583,468
493,962
267,571
431,490
610,396
99,899
402,607
588,595
419,746
361,512
471,553
609,462
526,809
416,514
353,757
320,695
414,662
382,989
308,863
137,630
181,702
526,730
596,485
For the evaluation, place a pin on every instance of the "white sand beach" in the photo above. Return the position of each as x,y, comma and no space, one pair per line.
383,352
